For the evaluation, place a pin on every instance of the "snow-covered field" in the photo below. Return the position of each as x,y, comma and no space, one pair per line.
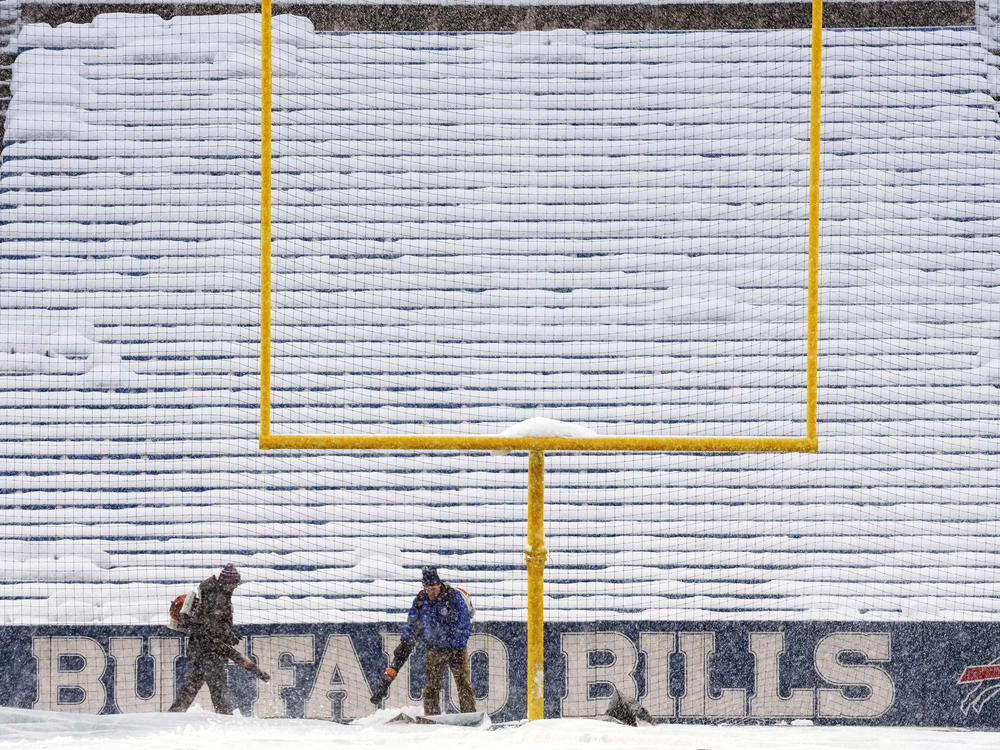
204,731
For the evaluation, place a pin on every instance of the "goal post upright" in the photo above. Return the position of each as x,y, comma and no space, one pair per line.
812,296
265,220
535,552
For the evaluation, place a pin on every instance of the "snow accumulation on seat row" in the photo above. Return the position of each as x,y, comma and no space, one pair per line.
558,233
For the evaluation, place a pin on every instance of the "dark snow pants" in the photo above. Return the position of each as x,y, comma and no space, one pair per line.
204,666
436,662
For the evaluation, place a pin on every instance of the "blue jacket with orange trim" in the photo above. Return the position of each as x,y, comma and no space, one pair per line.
443,623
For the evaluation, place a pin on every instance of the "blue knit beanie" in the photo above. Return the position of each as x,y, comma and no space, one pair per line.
430,576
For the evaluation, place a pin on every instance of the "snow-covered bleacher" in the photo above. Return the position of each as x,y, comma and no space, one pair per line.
129,331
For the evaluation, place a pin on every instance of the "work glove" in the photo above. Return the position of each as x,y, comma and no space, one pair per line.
382,689
256,671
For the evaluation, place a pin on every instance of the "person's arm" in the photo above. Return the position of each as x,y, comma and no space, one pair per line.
414,626
241,661
219,634
399,657
463,623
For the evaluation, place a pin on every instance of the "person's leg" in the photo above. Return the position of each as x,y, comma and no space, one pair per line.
218,684
459,663
193,680
435,661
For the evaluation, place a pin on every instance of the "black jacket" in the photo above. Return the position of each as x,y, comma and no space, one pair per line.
211,623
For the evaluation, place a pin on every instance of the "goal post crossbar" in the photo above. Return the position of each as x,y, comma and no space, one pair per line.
498,443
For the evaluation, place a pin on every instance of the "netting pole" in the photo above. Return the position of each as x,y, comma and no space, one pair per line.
534,557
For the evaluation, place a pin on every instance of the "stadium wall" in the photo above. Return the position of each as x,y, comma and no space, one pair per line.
926,674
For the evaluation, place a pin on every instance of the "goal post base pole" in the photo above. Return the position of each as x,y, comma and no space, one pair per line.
534,558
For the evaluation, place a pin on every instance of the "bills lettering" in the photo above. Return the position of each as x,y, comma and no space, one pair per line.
849,670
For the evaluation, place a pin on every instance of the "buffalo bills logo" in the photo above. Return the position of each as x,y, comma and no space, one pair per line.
984,682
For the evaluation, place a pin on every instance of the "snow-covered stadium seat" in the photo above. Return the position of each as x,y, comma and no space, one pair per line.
129,332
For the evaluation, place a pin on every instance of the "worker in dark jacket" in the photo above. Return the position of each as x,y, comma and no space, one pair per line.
440,616
211,642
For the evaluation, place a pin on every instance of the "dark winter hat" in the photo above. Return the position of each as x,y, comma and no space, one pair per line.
229,574
430,576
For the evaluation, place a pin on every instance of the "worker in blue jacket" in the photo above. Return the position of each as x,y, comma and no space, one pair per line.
440,616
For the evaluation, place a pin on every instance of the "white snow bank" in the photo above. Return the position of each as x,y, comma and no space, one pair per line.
66,560
58,347
58,340
196,730
544,427
110,30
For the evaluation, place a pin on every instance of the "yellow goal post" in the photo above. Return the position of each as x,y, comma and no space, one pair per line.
535,553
